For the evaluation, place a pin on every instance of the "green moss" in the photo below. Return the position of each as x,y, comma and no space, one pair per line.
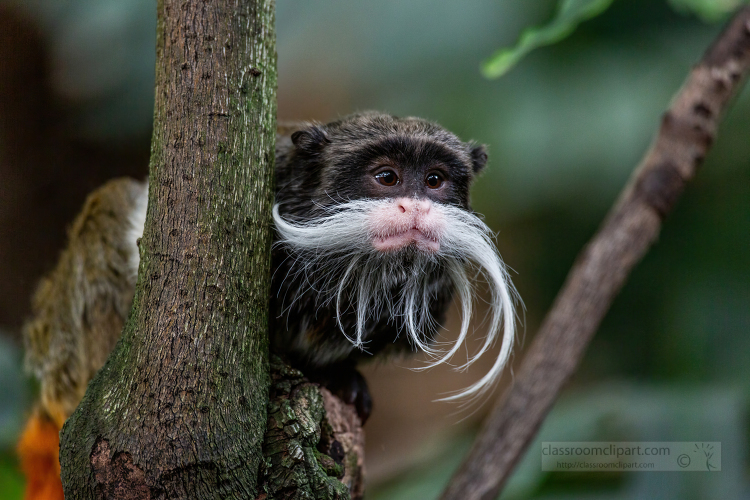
293,461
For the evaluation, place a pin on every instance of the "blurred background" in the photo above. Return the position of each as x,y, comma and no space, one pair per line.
564,128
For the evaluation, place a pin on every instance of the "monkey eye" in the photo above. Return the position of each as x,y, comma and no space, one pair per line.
434,180
387,178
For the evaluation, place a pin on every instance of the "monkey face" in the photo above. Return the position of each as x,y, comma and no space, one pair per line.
377,156
374,226
411,166
401,165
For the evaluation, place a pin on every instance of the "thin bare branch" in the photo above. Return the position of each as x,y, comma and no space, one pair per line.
687,131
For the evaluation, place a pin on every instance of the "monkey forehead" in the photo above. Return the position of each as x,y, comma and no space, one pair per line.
371,124
405,150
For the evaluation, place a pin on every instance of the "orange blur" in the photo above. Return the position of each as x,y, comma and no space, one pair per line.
38,450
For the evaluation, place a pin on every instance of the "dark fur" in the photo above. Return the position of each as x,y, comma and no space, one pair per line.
323,165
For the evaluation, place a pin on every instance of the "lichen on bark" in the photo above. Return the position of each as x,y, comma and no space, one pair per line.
309,454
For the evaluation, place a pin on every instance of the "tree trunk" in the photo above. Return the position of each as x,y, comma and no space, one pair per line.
179,409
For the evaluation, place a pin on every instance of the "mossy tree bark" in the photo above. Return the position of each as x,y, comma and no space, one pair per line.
179,409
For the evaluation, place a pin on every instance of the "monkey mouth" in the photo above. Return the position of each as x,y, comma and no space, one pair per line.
412,236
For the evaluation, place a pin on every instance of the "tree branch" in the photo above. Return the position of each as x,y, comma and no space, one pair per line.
687,131
314,445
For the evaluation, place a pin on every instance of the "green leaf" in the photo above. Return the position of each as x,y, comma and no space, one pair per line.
708,10
570,13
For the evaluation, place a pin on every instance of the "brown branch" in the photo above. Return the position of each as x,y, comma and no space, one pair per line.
687,131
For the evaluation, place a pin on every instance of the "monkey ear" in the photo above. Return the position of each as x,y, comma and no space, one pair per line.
478,154
310,140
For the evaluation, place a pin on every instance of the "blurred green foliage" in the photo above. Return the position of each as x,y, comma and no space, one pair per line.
620,411
11,480
569,14
14,401
708,10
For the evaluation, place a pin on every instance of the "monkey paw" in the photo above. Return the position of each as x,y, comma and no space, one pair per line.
347,384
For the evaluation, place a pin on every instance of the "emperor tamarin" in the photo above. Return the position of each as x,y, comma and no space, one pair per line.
374,238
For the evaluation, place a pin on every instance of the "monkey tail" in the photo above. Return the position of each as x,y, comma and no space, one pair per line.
38,450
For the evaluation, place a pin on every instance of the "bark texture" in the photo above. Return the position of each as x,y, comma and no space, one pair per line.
687,131
314,443
179,409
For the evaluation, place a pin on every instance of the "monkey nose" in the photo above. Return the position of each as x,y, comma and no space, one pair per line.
413,206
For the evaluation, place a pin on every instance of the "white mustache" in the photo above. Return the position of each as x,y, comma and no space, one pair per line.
340,245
